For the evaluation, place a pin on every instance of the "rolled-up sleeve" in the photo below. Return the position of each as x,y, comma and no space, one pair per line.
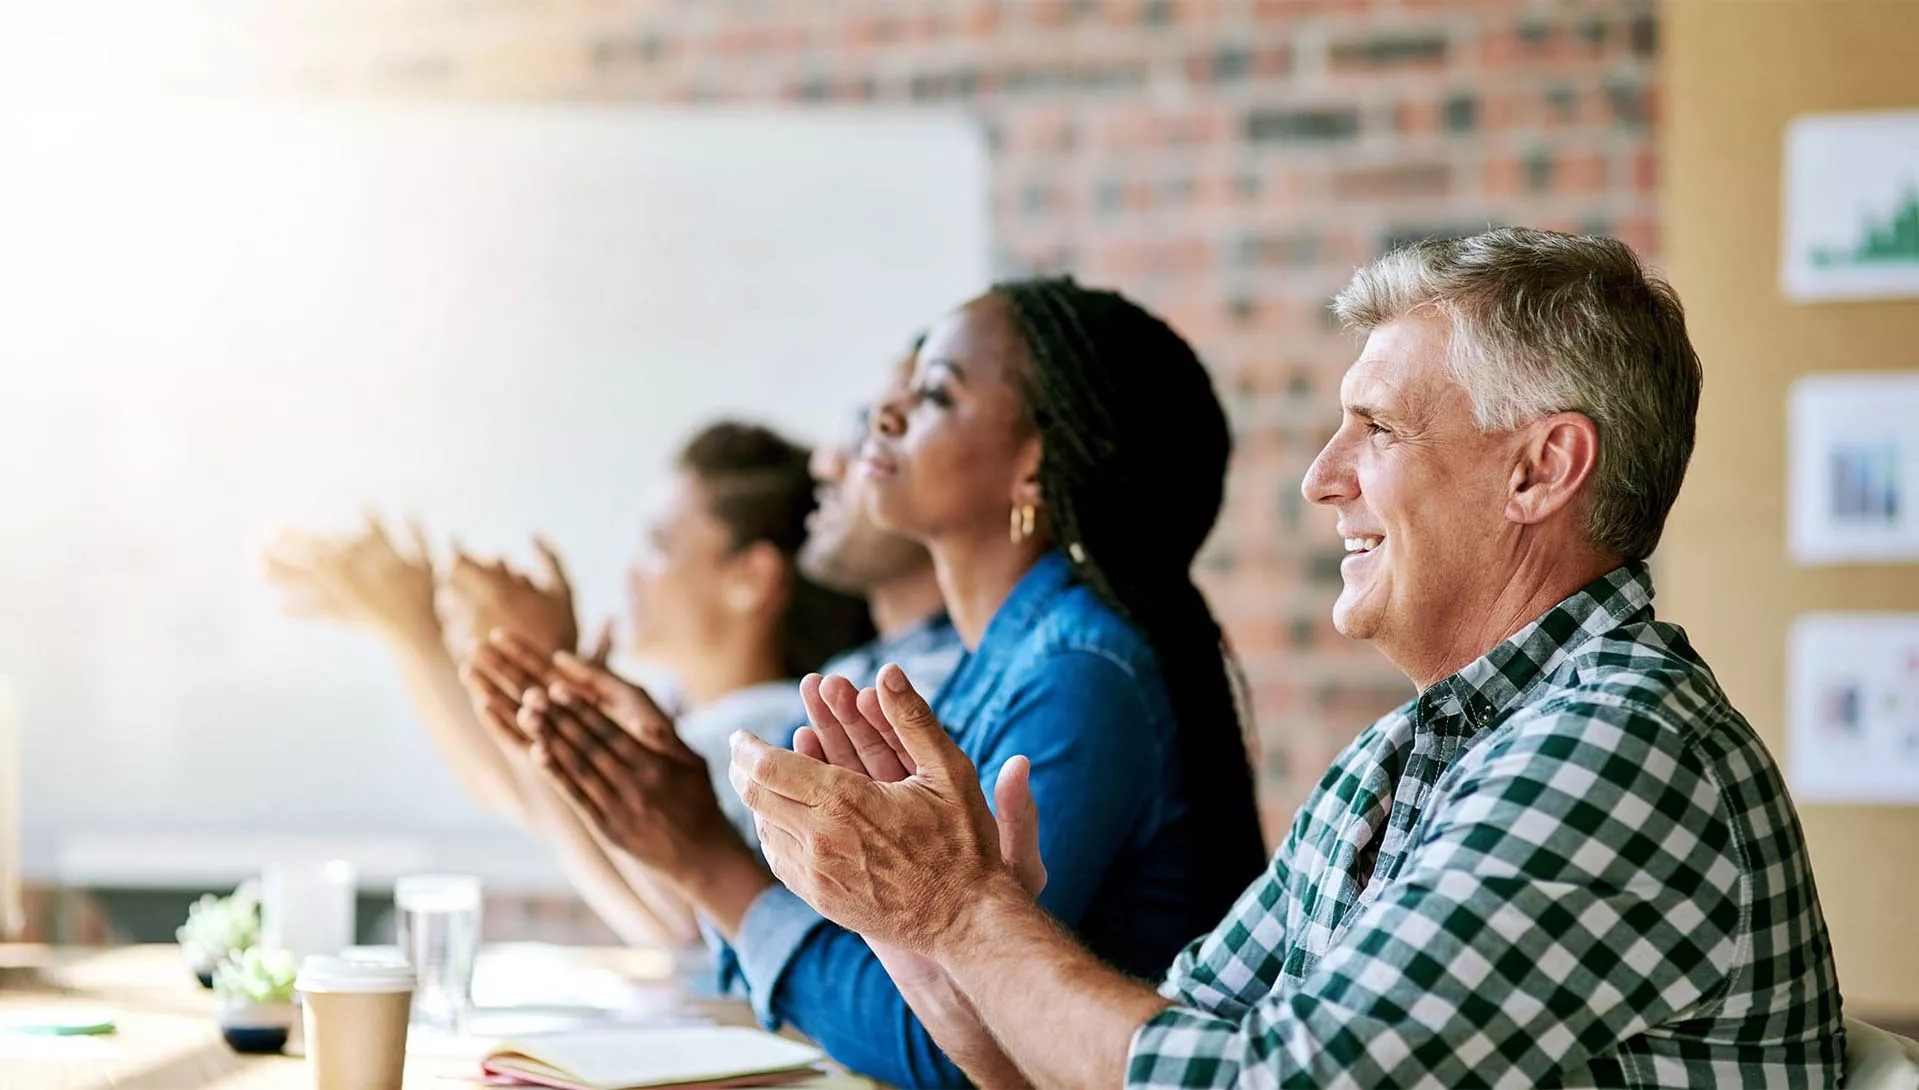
772,932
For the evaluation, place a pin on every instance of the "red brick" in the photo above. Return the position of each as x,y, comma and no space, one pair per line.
1503,176
1640,233
1498,46
1644,170
1287,10
1261,636
981,21
1416,117
1499,111
1584,172
1045,14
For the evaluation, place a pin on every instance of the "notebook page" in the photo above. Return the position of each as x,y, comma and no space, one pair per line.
628,1057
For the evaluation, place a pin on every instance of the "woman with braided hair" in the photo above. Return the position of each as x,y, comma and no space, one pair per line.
1061,454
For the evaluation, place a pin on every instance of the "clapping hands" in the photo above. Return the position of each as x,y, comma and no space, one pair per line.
478,597
847,727
364,579
894,857
608,748
360,579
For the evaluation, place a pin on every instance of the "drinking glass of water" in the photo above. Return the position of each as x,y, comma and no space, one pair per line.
439,932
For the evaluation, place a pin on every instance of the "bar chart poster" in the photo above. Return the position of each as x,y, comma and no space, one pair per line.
1851,199
1853,468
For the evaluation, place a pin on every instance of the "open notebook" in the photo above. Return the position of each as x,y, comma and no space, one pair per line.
641,1058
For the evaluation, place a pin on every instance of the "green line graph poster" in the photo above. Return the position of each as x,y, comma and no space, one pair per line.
1851,199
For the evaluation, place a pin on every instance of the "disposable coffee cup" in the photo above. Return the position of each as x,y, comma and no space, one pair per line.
355,1018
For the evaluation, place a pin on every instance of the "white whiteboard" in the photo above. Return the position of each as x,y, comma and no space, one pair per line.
223,317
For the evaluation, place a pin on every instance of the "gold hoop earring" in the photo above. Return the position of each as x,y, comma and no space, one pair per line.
1021,527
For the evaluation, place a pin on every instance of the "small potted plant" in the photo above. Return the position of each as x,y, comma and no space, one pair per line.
218,926
255,988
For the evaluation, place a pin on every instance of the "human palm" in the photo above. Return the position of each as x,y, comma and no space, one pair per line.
479,597
359,579
607,747
847,728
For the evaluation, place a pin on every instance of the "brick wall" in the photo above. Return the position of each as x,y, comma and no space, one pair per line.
1226,161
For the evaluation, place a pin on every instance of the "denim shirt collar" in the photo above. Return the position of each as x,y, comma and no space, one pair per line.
1049,575
925,632
999,645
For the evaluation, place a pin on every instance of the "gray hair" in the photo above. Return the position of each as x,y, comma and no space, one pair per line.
1545,323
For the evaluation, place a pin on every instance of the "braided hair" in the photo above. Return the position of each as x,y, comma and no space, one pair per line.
1134,446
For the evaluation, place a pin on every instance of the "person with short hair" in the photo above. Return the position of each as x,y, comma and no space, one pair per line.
849,552
1568,861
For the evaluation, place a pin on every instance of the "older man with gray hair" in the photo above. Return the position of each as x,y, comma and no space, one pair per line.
1567,861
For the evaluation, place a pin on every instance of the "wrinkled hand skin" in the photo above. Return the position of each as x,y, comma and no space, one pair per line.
847,728
898,862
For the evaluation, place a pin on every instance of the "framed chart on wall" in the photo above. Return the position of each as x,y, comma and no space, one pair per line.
1851,198
1852,721
1854,463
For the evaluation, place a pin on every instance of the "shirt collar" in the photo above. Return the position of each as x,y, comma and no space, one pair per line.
747,700
1049,575
925,628
1492,684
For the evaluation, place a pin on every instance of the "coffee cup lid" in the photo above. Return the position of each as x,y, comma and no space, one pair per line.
328,973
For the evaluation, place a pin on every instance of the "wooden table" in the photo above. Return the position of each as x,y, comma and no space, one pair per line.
168,1039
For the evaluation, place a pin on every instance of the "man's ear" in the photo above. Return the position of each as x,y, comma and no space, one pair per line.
1557,456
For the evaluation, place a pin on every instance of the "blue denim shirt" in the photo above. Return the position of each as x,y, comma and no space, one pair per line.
928,651
1062,679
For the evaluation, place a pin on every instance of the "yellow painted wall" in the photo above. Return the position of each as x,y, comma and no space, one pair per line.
1736,73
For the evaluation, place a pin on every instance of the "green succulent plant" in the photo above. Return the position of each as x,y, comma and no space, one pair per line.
217,926
256,975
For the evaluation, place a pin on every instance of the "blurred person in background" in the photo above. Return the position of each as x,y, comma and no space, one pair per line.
1061,454
715,598
849,552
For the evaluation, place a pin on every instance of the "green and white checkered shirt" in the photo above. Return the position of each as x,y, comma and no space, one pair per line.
1587,873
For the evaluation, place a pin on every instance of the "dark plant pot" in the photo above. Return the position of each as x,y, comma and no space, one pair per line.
255,1040
258,1028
